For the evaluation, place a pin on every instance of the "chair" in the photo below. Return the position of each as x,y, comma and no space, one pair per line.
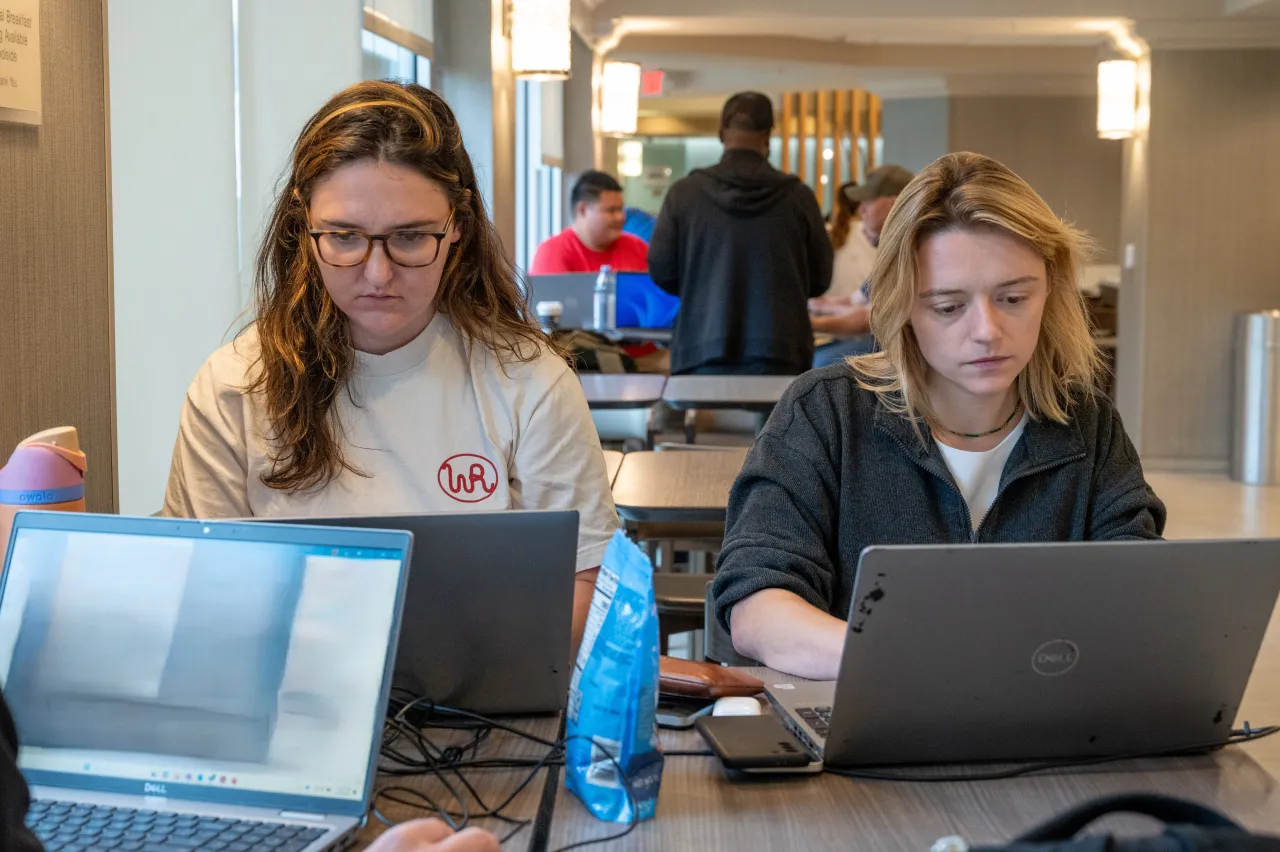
680,599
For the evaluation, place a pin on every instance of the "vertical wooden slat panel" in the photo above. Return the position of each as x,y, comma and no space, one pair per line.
837,142
788,122
856,134
820,145
873,129
803,171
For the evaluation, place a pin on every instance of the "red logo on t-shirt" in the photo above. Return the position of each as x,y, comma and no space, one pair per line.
468,478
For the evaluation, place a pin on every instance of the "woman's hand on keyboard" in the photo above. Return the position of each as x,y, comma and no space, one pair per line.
432,835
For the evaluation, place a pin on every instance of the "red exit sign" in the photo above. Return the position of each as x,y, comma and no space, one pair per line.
651,83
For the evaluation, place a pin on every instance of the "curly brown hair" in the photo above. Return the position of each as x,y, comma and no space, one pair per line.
842,222
306,356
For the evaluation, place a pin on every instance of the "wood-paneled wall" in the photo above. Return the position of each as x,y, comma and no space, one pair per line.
55,251
844,122
1213,239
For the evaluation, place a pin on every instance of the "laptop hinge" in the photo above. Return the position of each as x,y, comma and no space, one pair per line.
298,815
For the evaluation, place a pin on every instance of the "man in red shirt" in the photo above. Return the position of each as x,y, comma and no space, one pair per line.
595,238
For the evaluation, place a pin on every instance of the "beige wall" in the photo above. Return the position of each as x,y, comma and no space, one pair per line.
1051,142
914,130
1214,239
55,278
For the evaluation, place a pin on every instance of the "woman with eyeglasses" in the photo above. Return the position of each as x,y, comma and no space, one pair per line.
393,366
981,420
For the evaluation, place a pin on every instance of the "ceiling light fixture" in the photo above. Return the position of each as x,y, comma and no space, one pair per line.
541,39
631,158
1117,98
619,98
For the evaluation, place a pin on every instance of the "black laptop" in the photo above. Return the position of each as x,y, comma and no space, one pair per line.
489,608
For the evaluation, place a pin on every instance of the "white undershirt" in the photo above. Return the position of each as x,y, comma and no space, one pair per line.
978,474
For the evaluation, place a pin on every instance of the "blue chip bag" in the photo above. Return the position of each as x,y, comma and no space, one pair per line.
613,696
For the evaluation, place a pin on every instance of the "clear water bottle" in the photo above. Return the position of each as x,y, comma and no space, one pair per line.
604,301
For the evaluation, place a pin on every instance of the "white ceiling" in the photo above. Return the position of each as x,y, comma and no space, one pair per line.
905,47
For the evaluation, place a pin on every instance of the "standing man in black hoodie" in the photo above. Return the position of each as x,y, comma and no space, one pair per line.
744,247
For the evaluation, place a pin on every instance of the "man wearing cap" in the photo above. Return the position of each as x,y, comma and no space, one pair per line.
848,317
744,247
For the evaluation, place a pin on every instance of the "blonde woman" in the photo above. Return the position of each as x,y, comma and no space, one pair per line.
979,421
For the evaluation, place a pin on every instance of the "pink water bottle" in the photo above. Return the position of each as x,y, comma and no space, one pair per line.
45,472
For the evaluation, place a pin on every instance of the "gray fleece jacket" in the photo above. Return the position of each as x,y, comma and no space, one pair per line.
834,472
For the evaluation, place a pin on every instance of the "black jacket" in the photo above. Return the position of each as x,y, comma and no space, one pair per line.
834,472
744,247
14,836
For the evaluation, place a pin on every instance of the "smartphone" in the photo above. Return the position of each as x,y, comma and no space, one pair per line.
748,743
679,712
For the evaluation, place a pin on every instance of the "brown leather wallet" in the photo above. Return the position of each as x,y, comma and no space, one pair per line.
704,680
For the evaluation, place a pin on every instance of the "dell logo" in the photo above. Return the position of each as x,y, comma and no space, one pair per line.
149,789
1055,657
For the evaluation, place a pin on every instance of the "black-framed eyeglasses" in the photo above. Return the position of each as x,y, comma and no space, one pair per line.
410,248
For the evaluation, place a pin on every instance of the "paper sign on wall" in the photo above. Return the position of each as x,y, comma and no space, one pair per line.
20,61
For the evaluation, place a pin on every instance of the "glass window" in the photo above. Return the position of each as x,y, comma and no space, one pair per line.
539,208
383,59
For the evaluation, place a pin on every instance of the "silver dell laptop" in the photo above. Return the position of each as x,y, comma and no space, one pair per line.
573,290
1020,652
179,683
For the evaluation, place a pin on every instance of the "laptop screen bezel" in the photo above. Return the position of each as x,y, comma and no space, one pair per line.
311,536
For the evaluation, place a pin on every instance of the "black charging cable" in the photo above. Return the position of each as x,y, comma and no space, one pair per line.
410,751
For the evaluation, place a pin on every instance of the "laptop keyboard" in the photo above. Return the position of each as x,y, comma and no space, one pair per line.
67,827
818,718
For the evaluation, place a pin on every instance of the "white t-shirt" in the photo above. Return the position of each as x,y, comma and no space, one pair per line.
978,474
433,429
853,262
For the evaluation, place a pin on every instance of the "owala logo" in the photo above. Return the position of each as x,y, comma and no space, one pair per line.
468,478
149,789
1055,657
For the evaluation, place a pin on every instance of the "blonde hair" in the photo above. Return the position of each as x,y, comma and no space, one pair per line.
970,191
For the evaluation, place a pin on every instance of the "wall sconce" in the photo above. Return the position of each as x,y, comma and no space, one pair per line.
619,98
541,39
1117,98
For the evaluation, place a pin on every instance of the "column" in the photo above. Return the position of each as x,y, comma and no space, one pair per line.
472,71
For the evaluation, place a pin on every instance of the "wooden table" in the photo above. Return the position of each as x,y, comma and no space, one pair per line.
748,393
622,390
699,808
493,785
612,461
677,485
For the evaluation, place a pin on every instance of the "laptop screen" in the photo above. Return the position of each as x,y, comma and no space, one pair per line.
221,662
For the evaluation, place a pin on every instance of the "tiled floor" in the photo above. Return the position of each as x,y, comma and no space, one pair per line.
1211,506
